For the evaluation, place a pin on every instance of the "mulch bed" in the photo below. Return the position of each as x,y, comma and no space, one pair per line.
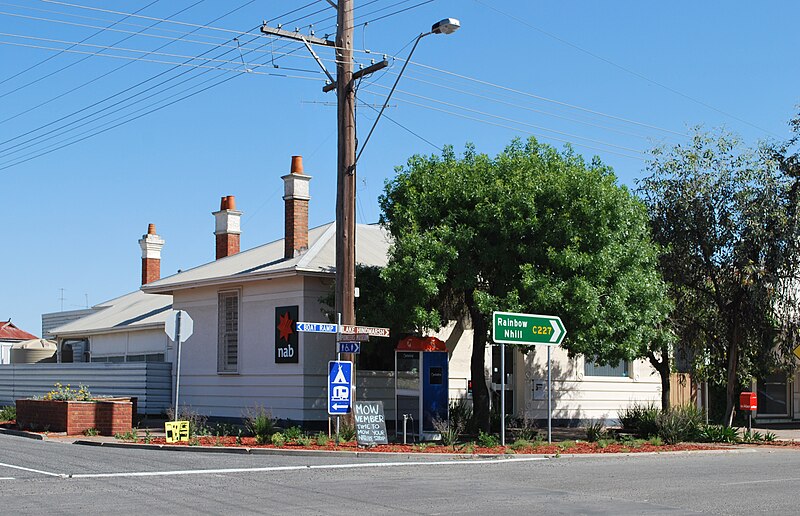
578,447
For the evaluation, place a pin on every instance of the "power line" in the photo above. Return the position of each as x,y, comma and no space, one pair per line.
624,69
95,79
488,122
484,113
545,99
85,39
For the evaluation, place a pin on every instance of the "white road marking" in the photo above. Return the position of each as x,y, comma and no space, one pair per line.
32,470
300,468
760,481
7,478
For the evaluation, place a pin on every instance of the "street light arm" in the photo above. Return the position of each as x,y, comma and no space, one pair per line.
386,102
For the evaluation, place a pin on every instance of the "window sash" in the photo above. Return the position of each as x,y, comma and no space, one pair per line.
621,370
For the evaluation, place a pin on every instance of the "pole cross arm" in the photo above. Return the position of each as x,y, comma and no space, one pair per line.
359,73
296,36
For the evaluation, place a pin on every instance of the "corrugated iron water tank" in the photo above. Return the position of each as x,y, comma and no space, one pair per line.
34,351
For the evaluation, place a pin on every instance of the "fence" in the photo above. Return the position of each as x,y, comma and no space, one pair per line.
150,382
682,390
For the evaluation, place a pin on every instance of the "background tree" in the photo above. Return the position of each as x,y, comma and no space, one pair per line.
725,218
532,230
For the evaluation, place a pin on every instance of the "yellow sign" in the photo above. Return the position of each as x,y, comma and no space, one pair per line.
796,351
176,431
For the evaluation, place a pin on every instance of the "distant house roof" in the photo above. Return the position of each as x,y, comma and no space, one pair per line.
9,332
134,311
372,246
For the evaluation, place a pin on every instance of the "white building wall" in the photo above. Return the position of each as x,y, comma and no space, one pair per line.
291,391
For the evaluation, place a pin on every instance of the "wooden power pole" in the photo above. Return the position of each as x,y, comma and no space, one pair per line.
346,166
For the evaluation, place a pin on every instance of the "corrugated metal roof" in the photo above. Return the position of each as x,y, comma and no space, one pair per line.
372,246
8,331
134,311
149,308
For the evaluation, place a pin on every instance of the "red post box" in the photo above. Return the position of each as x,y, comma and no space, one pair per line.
748,401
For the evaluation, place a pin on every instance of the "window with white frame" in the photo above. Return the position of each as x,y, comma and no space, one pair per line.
228,332
592,368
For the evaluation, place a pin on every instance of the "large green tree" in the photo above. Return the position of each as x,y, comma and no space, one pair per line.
726,219
531,230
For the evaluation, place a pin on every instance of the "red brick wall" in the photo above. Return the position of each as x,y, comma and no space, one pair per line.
296,226
151,270
227,244
74,417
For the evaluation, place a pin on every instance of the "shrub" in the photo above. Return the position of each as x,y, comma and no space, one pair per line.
260,423
449,430
347,432
90,432
8,413
640,420
596,430
755,436
126,436
655,441
487,440
293,433
461,414
680,424
62,393
322,439
526,429
521,444
603,443
719,434
198,423
277,439
304,440
565,445
769,437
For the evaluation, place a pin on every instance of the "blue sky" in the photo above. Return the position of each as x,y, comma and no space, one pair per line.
613,78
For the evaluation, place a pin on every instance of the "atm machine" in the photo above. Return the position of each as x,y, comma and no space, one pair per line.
421,385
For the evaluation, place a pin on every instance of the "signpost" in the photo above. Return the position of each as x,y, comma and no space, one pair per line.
315,327
340,387
368,330
179,327
526,329
350,347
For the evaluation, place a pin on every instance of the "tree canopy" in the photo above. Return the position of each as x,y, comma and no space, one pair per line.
726,219
532,230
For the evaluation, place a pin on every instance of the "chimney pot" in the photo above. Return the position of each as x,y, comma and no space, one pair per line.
151,229
297,165
227,230
295,197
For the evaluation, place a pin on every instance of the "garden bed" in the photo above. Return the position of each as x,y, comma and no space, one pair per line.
565,447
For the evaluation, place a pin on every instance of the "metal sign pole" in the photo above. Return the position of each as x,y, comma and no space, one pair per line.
549,400
178,366
502,394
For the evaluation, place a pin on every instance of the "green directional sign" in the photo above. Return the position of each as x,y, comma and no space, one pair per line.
510,328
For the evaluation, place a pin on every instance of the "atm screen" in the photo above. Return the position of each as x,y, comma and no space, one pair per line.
435,376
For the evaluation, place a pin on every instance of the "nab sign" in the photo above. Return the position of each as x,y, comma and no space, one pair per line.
340,387
287,348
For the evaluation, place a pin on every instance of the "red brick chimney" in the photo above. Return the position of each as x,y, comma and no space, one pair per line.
227,227
295,199
151,245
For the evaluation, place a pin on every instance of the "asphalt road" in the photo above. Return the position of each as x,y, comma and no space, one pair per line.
61,478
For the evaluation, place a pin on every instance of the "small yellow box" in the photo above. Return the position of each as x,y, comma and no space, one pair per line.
176,431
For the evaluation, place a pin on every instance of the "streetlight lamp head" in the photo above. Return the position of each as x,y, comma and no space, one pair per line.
446,26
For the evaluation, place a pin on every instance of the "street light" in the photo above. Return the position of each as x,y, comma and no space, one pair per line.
446,26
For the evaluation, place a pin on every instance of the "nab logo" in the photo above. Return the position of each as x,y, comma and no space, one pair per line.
286,341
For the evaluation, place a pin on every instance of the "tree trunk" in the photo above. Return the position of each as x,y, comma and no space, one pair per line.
664,371
480,391
733,367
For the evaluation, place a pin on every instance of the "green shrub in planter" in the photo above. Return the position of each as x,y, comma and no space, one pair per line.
487,440
8,413
719,434
293,434
277,439
680,424
641,420
595,431
260,424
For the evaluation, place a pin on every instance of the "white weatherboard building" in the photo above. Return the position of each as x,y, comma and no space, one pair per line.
245,351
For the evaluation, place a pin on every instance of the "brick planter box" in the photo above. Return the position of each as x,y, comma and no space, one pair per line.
108,417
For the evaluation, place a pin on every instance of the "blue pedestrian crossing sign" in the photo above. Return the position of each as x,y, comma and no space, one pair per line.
340,387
